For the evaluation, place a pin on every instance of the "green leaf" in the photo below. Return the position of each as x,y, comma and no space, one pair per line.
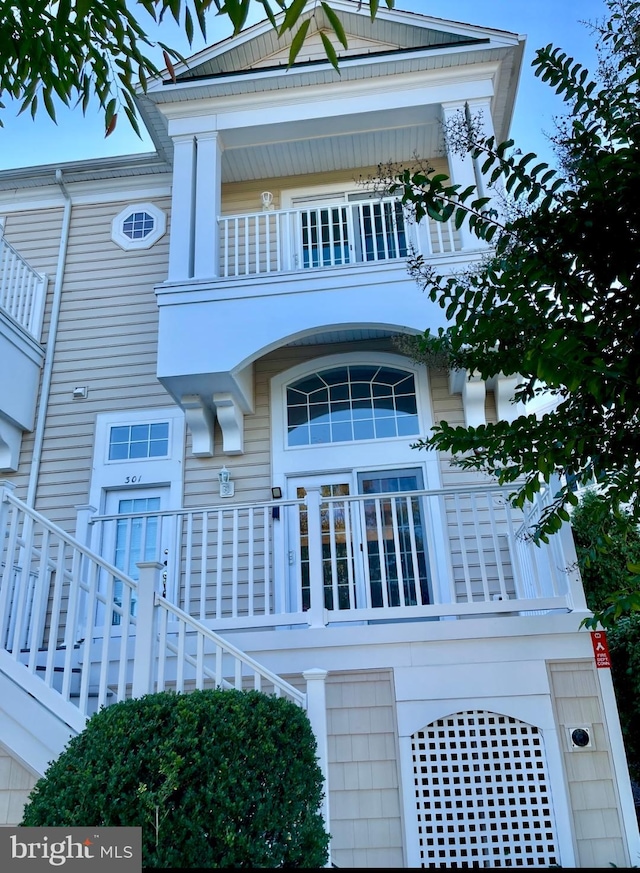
292,16
188,25
48,102
298,40
330,50
336,24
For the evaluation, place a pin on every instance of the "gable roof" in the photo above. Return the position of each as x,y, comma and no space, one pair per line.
261,47
395,42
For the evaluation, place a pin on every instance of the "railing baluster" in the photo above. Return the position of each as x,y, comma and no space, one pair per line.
234,564
250,563
219,556
22,290
494,530
203,566
266,538
324,236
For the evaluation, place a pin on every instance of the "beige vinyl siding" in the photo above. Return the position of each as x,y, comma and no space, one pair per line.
595,806
35,235
16,783
245,197
106,341
364,800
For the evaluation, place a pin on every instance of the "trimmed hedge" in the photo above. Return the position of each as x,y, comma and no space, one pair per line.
214,778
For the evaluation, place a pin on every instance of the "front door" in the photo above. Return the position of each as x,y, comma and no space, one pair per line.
349,228
396,555
136,536
374,551
339,569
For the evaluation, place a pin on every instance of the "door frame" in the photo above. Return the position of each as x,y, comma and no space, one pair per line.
352,458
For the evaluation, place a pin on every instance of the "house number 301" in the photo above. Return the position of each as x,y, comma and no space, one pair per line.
132,480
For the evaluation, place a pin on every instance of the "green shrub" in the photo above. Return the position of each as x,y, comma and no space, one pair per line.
214,778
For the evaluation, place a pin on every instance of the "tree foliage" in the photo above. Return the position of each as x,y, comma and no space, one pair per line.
76,51
608,549
556,296
607,543
214,779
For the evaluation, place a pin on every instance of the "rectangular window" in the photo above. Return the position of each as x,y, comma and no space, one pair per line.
137,441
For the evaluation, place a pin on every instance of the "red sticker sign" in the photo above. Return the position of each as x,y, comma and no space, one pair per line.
600,648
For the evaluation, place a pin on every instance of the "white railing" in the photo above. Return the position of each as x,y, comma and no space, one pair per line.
327,236
22,290
320,560
75,621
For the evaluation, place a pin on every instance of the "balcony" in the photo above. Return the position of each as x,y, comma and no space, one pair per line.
22,299
148,603
322,560
286,274
331,236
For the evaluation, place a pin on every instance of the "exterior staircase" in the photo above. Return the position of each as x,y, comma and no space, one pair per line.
71,645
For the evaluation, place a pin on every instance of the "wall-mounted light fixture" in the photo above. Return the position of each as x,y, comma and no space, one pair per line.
267,200
227,487
276,493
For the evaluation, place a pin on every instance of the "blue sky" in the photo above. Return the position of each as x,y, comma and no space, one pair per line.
24,142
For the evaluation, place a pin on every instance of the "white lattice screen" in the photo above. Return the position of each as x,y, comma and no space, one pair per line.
482,793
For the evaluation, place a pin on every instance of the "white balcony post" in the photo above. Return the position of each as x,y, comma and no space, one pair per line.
207,205
461,170
145,653
182,208
84,528
317,714
316,574
85,533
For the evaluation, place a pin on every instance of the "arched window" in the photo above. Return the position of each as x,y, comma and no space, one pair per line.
348,403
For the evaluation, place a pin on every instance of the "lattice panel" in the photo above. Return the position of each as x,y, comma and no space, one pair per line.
482,793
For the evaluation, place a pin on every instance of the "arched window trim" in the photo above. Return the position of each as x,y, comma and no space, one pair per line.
349,455
338,404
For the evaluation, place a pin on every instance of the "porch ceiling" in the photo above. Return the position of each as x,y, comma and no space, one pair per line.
320,145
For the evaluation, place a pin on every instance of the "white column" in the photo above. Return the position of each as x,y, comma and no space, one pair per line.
479,111
461,169
317,714
316,574
207,205
145,651
182,208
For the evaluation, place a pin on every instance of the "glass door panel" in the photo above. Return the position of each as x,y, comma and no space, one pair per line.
338,567
394,543
133,538
379,228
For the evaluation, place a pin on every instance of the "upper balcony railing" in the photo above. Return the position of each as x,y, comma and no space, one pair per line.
22,290
366,231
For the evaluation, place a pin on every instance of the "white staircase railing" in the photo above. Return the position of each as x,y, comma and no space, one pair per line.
78,623
22,290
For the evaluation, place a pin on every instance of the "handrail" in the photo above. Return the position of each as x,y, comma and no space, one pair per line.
327,236
22,290
54,593
222,645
